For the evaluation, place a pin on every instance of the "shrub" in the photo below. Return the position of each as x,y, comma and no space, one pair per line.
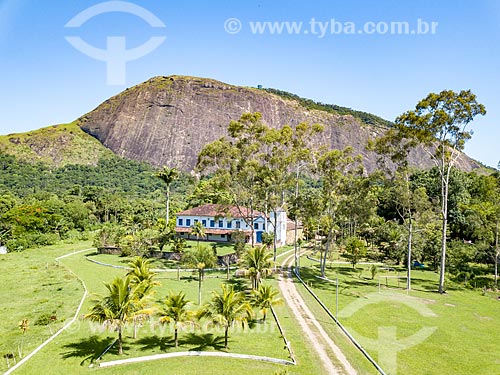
45,319
18,244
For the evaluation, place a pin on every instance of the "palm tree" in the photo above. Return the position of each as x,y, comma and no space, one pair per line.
258,264
264,298
168,175
141,271
178,245
117,308
198,230
200,259
226,308
142,278
175,311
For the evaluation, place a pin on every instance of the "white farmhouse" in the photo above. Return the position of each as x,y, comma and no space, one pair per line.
220,222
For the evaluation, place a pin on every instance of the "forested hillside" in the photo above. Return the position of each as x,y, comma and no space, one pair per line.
41,204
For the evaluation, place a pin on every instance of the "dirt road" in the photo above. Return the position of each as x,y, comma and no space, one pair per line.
318,338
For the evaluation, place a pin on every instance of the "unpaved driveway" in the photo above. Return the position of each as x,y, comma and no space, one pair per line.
318,338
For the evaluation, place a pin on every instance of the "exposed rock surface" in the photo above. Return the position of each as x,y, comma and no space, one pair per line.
167,121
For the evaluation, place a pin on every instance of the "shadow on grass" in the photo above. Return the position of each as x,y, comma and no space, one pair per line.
355,279
239,284
310,277
196,342
203,341
154,342
90,348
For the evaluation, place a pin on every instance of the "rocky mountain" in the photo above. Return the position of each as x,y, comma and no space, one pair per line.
167,121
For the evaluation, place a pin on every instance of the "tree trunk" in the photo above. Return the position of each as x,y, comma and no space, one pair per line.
225,336
444,213
296,219
167,213
252,224
120,344
410,235
20,347
275,231
199,287
175,338
497,253
327,247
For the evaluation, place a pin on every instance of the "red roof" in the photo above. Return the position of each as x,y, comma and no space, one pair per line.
219,210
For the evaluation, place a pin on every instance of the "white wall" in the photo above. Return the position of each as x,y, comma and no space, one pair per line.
280,233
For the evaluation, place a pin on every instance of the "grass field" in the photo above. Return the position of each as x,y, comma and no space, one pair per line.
463,340
48,286
420,333
221,248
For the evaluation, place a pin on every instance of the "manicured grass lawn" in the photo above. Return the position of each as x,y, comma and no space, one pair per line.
463,332
73,351
465,340
34,285
222,249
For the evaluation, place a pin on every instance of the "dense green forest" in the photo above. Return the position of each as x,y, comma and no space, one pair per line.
42,204
364,117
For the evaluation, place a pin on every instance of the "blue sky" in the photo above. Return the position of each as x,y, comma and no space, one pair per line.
44,80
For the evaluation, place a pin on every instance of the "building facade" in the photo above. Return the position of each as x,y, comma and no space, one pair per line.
222,222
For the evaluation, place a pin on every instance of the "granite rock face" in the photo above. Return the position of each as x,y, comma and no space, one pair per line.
168,120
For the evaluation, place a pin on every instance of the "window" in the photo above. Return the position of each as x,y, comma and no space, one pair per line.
195,221
256,225
221,224
188,222
180,222
238,225
222,236
212,223
204,223
229,224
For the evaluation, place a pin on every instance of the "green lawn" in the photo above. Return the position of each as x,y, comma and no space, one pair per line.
34,286
463,331
464,341
116,260
223,248
40,278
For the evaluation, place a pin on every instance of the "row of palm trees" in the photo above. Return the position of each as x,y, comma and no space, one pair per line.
130,300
